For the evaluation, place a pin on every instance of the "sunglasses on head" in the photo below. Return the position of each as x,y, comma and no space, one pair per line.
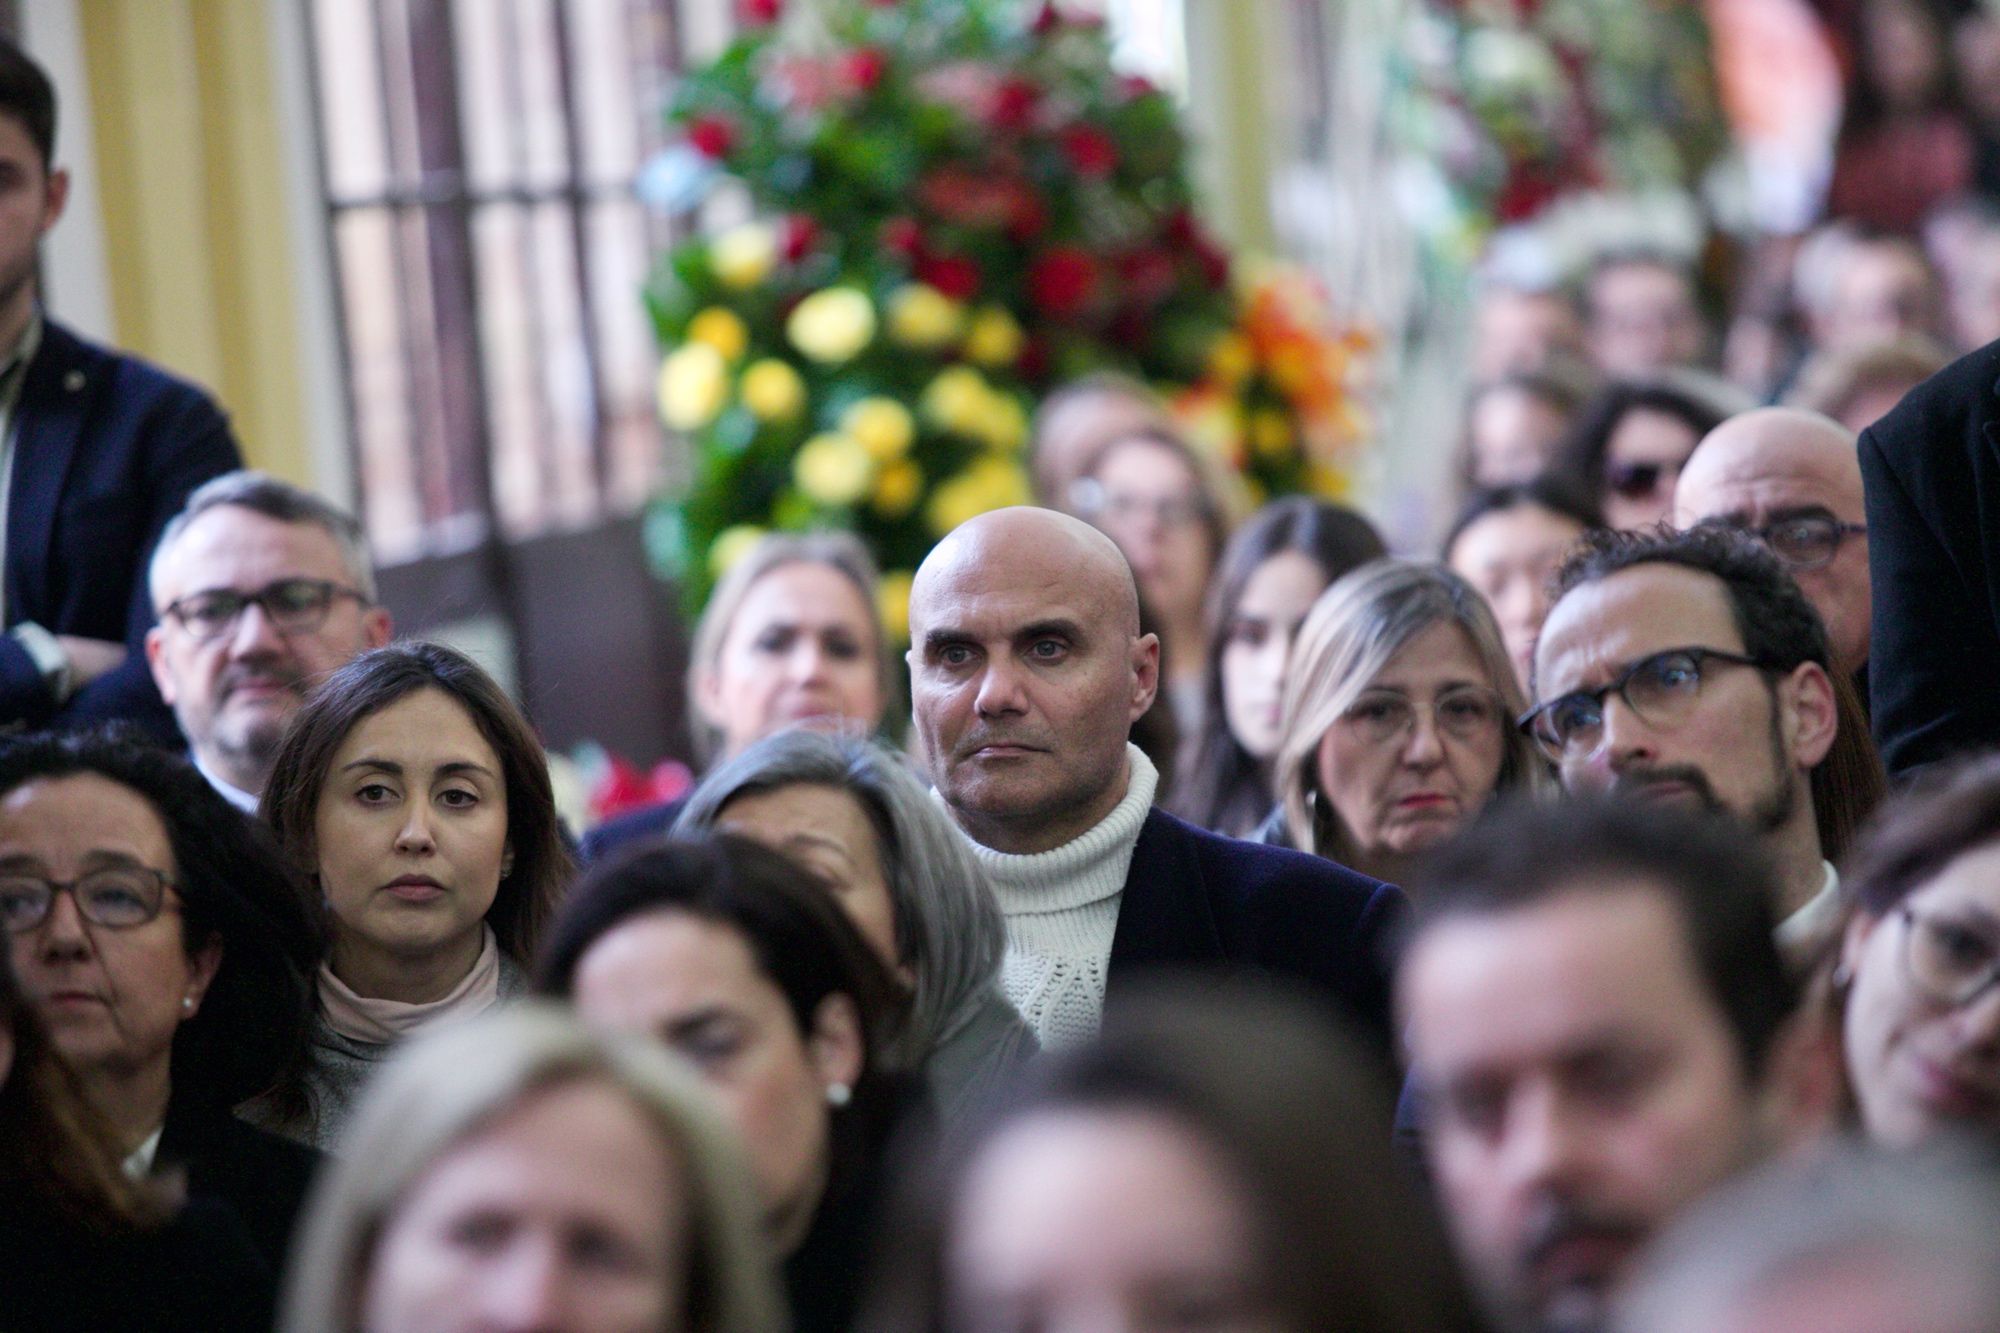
1636,481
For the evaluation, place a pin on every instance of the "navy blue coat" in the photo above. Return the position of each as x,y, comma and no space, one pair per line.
1195,899
106,450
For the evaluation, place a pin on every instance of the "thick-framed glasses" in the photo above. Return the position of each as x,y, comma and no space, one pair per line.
1807,541
1947,960
1096,503
1661,691
1464,713
117,897
294,606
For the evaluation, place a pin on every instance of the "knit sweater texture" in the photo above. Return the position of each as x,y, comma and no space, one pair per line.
1061,908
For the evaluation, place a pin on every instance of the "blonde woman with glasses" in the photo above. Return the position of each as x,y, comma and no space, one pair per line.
1398,719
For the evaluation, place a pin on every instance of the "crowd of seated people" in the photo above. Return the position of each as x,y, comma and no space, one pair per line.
1204,925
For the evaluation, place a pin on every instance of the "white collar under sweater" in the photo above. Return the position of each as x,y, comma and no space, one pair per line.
1061,908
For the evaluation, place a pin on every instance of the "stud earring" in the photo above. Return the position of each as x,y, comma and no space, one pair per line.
187,1004
838,1094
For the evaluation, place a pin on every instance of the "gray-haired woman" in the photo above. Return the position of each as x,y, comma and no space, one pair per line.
853,813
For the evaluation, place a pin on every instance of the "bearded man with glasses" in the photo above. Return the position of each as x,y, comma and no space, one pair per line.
1792,480
1689,669
261,588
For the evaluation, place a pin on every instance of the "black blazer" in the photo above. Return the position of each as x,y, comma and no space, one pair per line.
1931,469
641,824
106,450
1195,899
262,1177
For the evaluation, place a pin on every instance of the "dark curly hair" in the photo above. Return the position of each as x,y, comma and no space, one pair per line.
235,886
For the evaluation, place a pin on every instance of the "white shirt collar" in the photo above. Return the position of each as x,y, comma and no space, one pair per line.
236,796
1806,926
139,1162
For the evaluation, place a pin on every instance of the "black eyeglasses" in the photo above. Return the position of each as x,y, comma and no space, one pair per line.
1661,690
294,606
118,897
1808,541
1949,961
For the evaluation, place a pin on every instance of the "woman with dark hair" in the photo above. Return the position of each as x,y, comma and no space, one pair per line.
90,1247
166,949
728,953
1507,543
1632,440
1270,574
1214,1150
1912,990
414,794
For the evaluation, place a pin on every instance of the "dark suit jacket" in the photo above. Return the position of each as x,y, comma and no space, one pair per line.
638,825
1197,899
1932,472
106,450
262,1177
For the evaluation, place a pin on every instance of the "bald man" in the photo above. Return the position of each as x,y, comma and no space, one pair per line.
1793,480
1027,670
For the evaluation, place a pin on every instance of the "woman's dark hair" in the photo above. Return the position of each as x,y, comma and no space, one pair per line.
1562,386
1556,494
1580,460
235,887
53,1148
1220,785
799,936
1291,1107
372,682
1923,830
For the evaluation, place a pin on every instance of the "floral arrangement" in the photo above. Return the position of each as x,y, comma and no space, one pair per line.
1511,105
957,205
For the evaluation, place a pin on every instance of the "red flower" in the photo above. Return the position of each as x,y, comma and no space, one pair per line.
1091,151
1048,20
760,11
863,68
954,275
1030,217
1181,228
1014,103
797,237
1147,276
1210,259
712,136
901,236
1063,280
1135,86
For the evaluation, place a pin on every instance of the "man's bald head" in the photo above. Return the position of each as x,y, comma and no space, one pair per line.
1778,465
1027,670
1025,543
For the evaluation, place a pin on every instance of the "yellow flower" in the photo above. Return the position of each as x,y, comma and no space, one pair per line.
743,256
994,339
1230,359
694,385
1328,483
832,469
832,325
892,604
987,483
1271,432
731,545
898,488
882,425
723,329
923,317
773,391
1004,423
957,400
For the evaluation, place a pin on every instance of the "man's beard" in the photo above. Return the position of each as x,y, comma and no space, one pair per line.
1766,815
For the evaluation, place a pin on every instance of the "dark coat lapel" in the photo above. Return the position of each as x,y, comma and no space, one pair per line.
1165,915
50,412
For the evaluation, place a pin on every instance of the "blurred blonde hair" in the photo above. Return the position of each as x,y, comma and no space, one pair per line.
1350,634
444,1086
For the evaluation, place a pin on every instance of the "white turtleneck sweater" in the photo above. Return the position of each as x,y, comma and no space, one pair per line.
1061,908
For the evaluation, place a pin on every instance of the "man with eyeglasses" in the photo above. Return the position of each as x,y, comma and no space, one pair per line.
261,588
1792,480
1689,669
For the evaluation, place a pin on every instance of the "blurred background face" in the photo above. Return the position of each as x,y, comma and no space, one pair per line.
1882,292
1919,1063
826,831
1151,504
1522,331
1513,433
695,984
801,650
1642,461
1401,792
1103,1220
1509,556
1643,319
563,1214
109,997
1257,647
